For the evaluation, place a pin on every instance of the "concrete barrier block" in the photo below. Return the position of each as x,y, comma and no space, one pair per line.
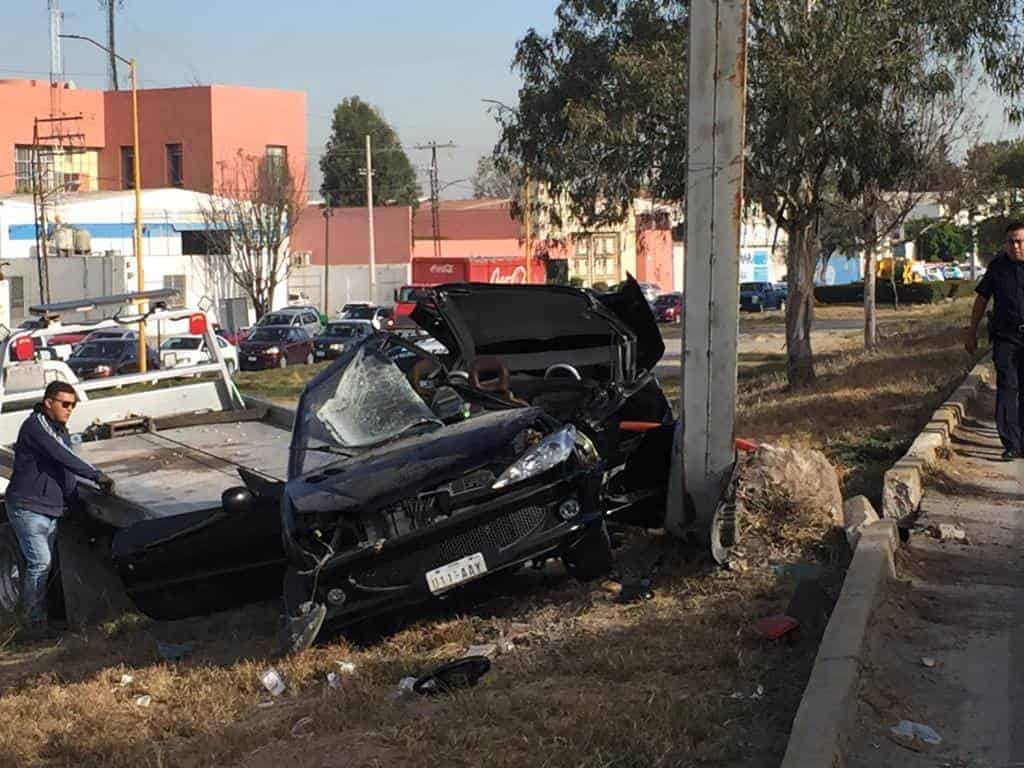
857,514
901,490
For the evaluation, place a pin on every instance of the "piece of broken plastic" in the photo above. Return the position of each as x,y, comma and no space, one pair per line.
908,729
461,673
174,651
126,680
272,681
143,701
775,627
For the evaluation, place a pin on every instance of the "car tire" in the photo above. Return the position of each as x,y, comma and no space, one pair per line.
12,566
309,359
591,557
282,362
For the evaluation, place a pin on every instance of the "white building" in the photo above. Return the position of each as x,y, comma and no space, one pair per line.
94,254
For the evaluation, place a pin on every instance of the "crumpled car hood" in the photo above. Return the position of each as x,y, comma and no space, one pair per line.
385,475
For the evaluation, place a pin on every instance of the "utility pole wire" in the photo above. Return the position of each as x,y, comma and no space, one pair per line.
435,191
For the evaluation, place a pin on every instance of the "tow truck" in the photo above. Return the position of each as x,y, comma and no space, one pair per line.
191,457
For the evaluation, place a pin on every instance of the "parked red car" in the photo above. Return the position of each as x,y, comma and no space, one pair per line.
275,346
668,308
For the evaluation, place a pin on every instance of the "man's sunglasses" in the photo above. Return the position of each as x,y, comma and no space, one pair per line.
68,404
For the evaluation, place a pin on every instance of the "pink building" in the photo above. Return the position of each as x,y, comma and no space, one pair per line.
189,137
350,235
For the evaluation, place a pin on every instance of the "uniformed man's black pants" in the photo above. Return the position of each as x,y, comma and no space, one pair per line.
1009,359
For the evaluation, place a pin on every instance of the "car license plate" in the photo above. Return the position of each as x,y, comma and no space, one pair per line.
459,572
252,358
319,353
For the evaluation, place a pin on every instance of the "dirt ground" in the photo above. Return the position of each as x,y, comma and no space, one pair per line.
586,680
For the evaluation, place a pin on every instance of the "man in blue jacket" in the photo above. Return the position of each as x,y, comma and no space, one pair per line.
41,487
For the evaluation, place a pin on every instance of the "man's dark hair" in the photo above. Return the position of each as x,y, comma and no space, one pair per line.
1013,226
54,388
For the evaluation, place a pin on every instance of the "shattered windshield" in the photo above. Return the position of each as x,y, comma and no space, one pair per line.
366,402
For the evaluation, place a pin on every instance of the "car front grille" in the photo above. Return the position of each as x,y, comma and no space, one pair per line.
499,533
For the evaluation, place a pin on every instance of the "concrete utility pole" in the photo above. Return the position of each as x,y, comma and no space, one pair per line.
528,224
704,453
369,216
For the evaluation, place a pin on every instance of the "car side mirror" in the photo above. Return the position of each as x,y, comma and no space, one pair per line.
237,500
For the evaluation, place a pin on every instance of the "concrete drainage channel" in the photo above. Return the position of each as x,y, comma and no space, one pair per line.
828,708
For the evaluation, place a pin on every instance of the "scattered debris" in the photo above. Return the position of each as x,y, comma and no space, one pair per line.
265,703
758,694
143,701
126,680
452,676
490,650
174,651
928,661
779,627
634,589
303,727
272,681
346,667
947,532
914,736
333,680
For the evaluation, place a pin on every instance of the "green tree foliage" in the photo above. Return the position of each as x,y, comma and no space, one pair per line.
344,160
999,164
602,107
939,240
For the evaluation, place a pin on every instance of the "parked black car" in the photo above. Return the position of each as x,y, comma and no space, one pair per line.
110,357
409,478
757,297
275,346
331,342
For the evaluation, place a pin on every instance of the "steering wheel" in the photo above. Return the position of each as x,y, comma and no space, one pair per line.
555,369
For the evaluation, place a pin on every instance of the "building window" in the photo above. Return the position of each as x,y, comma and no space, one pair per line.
127,168
200,242
581,246
17,286
175,283
175,169
276,159
73,169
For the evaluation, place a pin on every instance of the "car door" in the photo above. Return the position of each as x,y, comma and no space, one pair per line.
299,345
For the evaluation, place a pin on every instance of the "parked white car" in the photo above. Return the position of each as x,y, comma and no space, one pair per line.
190,349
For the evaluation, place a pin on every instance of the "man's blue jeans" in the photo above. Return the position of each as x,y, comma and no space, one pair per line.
36,534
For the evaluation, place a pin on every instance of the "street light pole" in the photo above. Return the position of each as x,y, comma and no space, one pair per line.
328,213
137,182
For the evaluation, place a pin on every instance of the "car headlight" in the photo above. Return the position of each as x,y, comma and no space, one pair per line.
102,369
337,347
272,350
545,455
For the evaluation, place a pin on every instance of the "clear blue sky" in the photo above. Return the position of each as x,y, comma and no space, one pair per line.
424,65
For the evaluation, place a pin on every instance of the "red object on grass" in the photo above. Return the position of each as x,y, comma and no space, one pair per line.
749,446
775,627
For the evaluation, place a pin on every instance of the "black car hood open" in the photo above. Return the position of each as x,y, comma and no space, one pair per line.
533,326
385,475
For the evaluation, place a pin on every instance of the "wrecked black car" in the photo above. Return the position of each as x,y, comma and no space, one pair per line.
440,474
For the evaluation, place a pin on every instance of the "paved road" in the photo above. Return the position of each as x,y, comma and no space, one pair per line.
963,606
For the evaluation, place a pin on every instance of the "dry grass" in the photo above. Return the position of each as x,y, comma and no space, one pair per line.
590,682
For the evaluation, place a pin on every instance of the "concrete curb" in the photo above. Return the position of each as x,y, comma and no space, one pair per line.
828,708
901,490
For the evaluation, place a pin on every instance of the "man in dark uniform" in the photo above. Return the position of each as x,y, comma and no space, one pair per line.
1004,283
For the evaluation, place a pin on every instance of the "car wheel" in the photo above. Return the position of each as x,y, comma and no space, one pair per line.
591,557
282,362
12,566
309,359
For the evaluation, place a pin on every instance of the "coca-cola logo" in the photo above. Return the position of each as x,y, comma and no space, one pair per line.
442,269
517,277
